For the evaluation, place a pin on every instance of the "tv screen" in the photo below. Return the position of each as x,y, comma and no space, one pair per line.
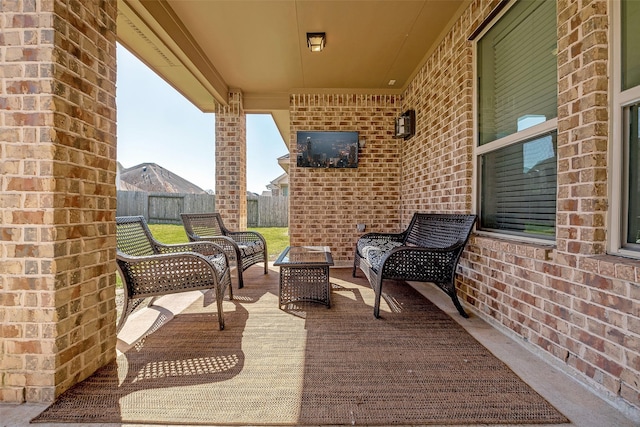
327,149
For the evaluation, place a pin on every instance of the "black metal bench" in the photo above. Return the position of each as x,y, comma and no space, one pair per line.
427,251
150,269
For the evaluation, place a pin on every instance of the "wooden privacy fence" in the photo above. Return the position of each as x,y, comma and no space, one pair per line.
165,208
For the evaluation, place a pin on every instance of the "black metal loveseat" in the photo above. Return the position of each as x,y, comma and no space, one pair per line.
151,269
427,251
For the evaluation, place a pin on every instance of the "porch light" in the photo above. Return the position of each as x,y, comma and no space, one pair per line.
316,41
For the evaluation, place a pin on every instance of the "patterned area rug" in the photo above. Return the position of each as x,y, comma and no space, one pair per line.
307,365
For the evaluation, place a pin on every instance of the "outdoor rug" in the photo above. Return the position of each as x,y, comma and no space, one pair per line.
307,365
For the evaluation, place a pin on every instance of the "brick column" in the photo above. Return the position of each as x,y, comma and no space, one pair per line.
231,163
58,195
583,127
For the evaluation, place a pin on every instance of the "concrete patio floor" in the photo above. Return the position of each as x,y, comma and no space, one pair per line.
578,403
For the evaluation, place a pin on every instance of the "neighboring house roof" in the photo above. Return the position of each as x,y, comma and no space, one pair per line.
283,161
281,180
279,186
153,178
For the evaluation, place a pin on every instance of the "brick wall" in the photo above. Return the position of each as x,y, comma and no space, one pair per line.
583,127
570,301
437,161
231,163
326,204
57,205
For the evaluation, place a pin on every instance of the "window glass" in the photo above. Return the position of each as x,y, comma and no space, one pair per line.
519,188
630,44
630,77
633,203
517,69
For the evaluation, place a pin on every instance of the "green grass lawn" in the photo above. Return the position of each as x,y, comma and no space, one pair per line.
277,237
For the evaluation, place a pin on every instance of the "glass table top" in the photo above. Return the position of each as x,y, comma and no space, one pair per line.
305,255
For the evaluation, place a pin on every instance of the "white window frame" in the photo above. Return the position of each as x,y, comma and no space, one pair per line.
480,150
617,167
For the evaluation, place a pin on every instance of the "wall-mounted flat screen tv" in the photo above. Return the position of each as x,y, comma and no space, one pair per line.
327,149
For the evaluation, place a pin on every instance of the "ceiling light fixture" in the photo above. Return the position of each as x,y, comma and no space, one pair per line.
316,41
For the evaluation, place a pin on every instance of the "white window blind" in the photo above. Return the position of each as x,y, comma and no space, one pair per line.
519,188
517,70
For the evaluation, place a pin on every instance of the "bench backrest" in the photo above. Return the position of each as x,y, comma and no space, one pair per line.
203,225
439,230
133,236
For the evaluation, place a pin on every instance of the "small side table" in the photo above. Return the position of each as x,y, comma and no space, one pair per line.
304,274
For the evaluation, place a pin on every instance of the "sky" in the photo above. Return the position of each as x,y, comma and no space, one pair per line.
156,124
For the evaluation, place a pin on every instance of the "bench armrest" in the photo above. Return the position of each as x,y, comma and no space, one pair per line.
228,245
202,248
156,275
395,237
246,237
459,245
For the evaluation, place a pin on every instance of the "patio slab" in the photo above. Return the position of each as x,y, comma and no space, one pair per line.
572,398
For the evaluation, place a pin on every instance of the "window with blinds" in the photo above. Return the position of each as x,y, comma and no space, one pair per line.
517,89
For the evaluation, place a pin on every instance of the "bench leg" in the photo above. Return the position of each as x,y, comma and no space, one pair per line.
377,289
240,280
124,314
219,298
355,263
376,307
225,282
456,302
